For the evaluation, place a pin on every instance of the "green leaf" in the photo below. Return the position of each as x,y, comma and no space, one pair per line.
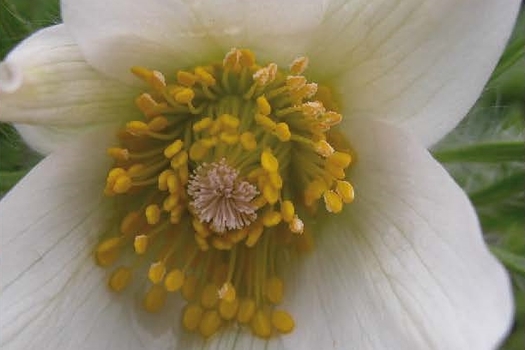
10,178
500,190
484,153
513,262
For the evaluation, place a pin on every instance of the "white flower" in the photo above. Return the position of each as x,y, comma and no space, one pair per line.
403,267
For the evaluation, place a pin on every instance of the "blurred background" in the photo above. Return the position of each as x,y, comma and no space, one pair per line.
485,153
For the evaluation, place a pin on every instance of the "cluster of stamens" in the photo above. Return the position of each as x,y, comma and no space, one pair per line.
213,186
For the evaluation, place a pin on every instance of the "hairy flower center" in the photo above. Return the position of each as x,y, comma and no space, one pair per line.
213,186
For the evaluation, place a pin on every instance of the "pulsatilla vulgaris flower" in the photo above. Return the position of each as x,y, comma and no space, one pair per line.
199,188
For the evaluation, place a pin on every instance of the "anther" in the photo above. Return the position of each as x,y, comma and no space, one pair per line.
299,65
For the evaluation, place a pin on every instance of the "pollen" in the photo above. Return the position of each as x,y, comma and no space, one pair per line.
218,185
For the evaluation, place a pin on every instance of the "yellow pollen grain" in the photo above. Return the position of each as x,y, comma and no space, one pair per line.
323,148
156,272
184,96
198,151
155,298
254,233
274,290
109,244
192,316
183,175
146,104
282,131
210,323
202,124
316,188
340,159
122,184
173,183
186,78
158,123
333,202
210,296
129,224
135,169
295,82
248,141
222,243
118,153
332,118
228,309
152,214
162,179
345,190
229,138
265,121
276,180
238,235
246,310
229,121
204,77
137,128
120,279
174,148
270,193
287,210
140,244
155,78
299,65
174,280
176,214
335,170
209,142
261,325
227,292
200,228
269,162
247,58
263,105
179,160
271,218
170,202
282,321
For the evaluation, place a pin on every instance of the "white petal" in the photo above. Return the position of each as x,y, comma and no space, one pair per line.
46,139
52,295
419,64
403,267
45,80
170,34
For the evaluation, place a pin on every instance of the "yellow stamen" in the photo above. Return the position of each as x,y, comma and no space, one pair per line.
246,310
140,244
208,185
282,321
120,278
261,324
155,298
210,323
174,280
192,316
333,202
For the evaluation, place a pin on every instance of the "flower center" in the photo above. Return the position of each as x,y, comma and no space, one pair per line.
212,188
